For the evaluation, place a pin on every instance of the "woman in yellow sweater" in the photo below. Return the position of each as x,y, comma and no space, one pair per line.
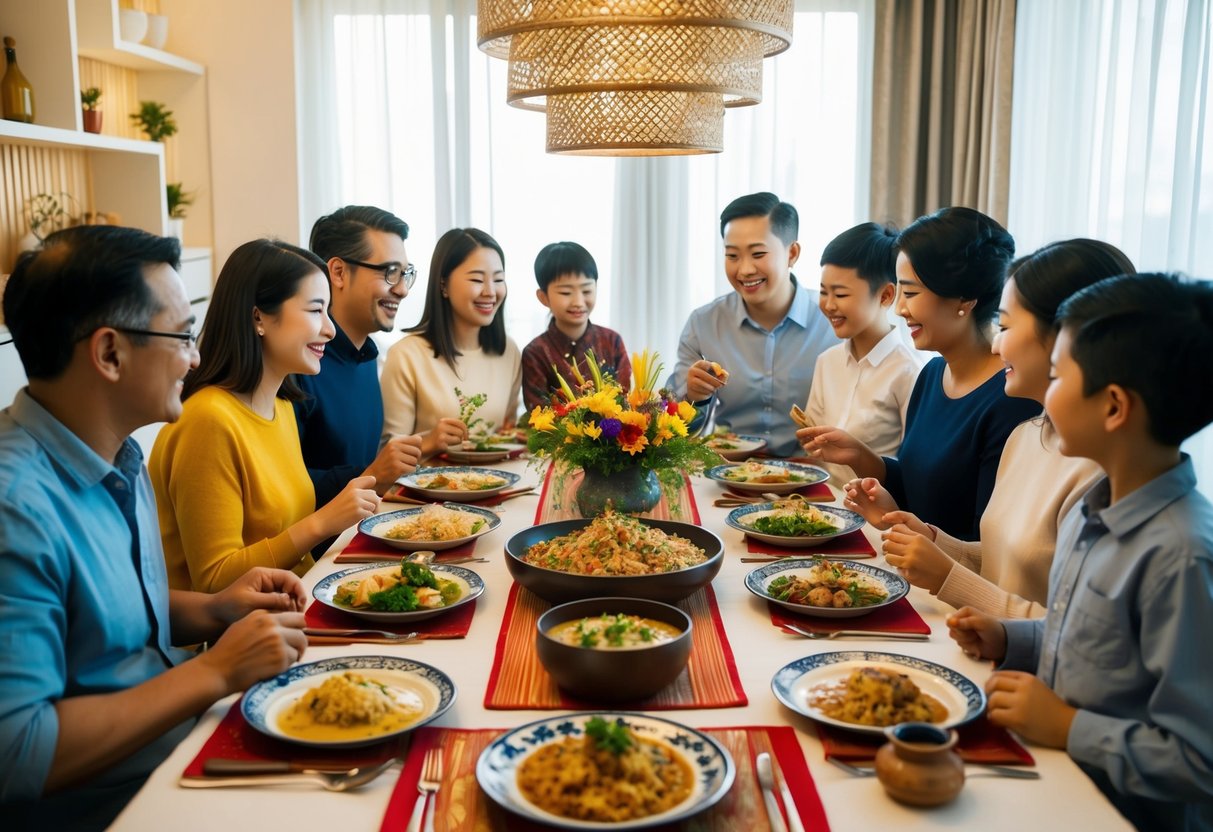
231,488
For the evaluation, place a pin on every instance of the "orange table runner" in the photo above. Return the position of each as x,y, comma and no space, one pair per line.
518,681
898,617
557,501
981,741
460,805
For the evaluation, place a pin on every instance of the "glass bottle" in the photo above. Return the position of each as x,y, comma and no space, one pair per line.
16,93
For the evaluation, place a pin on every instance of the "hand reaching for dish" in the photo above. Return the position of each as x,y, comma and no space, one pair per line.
256,647
704,378
830,444
395,459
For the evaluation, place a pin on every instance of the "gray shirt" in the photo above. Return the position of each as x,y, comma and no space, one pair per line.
1128,640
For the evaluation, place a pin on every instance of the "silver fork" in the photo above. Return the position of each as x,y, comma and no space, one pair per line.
431,779
223,773
403,638
987,770
816,634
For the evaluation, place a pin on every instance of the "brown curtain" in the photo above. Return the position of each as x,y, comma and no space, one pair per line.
941,107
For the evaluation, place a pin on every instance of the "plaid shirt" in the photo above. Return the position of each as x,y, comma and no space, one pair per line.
553,347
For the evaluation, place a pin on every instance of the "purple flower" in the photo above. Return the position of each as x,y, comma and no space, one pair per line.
610,427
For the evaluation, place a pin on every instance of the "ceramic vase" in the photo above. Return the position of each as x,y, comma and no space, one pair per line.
92,121
918,766
630,491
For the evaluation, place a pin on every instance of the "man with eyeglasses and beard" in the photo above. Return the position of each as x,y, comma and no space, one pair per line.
93,693
341,420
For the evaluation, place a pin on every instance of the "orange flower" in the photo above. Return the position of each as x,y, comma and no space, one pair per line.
631,437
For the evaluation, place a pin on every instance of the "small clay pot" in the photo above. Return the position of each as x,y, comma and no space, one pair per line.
918,766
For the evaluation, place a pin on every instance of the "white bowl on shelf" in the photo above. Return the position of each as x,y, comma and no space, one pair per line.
132,25
157,31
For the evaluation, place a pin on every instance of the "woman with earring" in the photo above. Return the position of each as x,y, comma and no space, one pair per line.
231,487
951,267
460,343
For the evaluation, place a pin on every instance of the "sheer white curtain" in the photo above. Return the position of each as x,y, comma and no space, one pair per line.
398,108
1112,135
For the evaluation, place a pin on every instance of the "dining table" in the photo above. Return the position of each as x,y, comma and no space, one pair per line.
1062,798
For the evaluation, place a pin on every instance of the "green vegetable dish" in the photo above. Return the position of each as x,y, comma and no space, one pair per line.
408,588
792,518
828,584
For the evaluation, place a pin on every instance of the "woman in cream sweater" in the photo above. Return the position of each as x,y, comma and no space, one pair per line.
459,343
1006,572
231,488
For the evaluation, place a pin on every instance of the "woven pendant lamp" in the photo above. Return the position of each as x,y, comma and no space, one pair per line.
634,77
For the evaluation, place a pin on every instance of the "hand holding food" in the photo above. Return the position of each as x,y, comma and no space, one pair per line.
980,636
920,561
395,459
799,417
704,378
447,432
256,647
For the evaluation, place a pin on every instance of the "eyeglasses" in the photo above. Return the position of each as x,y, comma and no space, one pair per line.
392,272
190,336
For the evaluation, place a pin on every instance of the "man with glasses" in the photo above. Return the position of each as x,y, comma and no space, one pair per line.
341,420
93,692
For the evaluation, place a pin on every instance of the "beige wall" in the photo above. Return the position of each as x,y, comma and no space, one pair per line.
248,49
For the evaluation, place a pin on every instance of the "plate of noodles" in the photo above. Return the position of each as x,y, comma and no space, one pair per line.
349,701
866,691
634,771
826,588
460,483
794,522
433,527
775,476
406,591
614,555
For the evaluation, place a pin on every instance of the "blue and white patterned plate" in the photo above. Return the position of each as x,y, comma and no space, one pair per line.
459,495
265,702
497,768
468,581
377,526
742,445
807,475
467,453
845,521
963,699
759,579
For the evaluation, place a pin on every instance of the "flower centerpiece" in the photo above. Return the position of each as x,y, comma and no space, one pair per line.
632,445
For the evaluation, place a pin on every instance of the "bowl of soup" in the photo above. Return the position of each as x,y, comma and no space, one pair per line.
613,649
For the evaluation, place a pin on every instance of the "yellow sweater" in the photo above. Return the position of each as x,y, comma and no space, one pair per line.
228,484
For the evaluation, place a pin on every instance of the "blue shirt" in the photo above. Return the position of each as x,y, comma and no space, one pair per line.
1128,640
944,471
341,419
769,370
83,603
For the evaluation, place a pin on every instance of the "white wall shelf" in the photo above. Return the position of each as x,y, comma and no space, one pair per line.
39,135
99,37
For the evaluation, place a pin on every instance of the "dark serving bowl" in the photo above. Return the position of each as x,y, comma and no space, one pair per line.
613,675
557,587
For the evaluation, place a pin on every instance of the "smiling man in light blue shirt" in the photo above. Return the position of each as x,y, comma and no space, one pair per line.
93,694
765,335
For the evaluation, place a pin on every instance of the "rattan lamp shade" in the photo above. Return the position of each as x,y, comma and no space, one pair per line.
634,77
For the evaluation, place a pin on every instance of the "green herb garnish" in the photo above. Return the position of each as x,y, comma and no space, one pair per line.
609,736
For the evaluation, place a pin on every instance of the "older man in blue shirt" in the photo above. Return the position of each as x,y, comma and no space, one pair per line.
93,694
764,337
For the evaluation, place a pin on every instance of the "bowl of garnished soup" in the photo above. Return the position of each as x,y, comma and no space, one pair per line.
613,649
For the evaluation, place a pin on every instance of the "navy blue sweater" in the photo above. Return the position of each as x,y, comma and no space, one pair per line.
341,419
944,471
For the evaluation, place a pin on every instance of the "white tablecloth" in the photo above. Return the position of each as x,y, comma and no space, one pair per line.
1063,799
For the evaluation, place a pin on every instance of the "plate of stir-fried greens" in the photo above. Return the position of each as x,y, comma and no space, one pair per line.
794,522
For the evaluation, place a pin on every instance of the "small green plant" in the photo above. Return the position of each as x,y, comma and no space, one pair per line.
155,120
90,97
47,213
178,199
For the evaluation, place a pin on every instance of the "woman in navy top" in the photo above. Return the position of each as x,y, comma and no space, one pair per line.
951,268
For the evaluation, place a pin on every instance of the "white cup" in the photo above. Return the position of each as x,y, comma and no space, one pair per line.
132,25
157,31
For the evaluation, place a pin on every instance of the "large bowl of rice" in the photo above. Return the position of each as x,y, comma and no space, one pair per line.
615,574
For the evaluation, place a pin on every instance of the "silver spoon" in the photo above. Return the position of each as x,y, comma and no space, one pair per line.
816,634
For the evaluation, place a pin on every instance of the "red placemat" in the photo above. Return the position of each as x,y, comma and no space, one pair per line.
454,624
981,741
518,681
844,547
401,494
898,617
557,501
363,548
235,739
460,805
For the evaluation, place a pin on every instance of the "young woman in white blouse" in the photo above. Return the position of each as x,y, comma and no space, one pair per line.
1006,572
460,342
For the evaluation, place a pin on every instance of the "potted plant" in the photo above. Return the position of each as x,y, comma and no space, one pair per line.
155,120
92,116
632,445
178,199
45,214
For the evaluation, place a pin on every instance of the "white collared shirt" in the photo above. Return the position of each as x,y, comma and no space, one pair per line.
866,397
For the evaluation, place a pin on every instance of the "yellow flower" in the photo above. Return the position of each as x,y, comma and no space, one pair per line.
636,398
686,412
604,403
571,429
646,371
592,430
542,418
668,427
